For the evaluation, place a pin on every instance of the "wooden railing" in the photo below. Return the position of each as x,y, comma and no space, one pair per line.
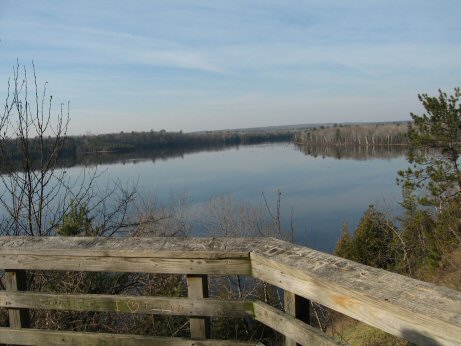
417,311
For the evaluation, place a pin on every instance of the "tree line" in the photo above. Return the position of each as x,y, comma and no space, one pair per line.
122,143
355,135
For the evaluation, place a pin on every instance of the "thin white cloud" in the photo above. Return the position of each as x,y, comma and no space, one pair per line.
82,45
207,64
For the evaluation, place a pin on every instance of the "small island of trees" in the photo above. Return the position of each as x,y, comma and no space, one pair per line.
382,134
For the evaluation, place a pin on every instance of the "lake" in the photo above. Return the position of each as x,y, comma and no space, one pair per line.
321,187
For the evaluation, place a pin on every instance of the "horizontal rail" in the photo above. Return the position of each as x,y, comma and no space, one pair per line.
417,311
229,266
127,304
290,326
166,247
276,319
420,312
55,338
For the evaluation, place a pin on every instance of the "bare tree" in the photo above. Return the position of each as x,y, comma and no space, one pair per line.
36,195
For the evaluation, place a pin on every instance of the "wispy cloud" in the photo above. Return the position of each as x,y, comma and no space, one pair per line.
82,45
202,64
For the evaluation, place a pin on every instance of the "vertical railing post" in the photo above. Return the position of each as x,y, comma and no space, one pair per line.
298,307
197,287
15,280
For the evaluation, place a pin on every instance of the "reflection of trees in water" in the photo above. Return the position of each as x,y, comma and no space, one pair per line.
354,152
123,147
145,155
338,152
134,156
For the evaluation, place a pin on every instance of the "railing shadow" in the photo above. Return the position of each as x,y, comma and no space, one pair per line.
423,340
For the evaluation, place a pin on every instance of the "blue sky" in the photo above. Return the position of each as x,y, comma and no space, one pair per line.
203,65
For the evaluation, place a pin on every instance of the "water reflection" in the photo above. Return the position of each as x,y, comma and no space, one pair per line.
354,152
131,157
139,156
322,186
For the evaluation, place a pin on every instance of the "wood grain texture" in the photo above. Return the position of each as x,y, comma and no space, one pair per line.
16,281
417,311
297,307
166,247
197,287
286,324
420,312
230,266
55,338
127,304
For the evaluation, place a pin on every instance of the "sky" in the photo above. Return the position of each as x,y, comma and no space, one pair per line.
207,65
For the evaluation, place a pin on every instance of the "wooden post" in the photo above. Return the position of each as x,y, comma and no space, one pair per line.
197,287
298,307
15,280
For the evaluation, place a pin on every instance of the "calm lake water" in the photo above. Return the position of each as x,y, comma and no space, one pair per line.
323,188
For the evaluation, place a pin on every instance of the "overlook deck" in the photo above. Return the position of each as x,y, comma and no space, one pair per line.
417,311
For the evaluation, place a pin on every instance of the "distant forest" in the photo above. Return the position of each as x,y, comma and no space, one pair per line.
97,149
387,134
128,142
153,145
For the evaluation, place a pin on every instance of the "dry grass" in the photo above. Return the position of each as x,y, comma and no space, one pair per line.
355,333
449,275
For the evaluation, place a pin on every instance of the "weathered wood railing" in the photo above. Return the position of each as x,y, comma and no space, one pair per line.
417,311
